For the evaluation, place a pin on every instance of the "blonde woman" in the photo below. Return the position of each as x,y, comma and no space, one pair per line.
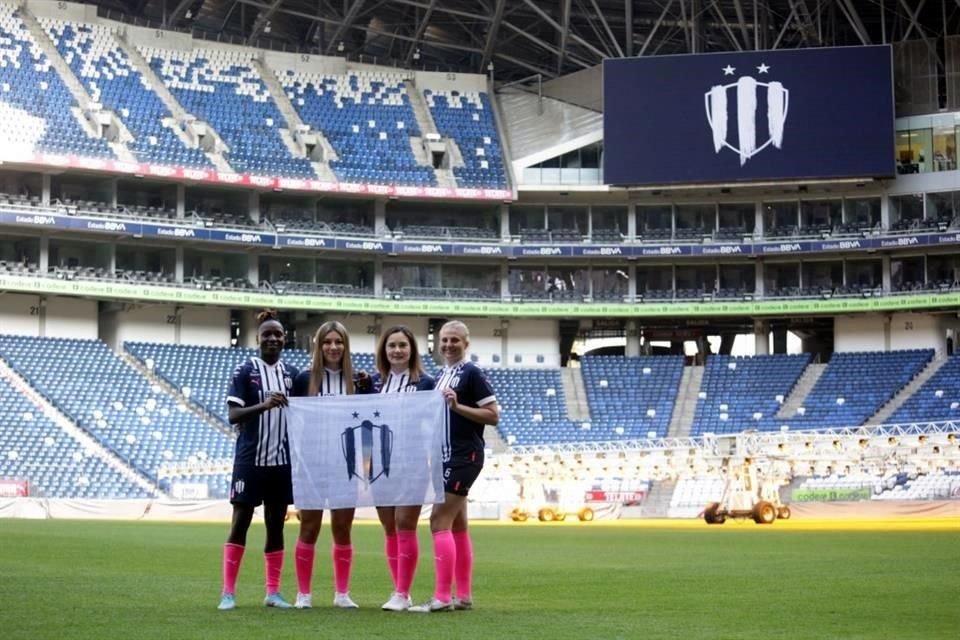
472,405
330,374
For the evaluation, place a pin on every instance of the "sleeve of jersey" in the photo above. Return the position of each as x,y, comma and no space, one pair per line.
301,384
481,389
426,383
237,392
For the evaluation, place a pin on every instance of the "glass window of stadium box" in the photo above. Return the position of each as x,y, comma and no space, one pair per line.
580,166
216,270
529,222
346,277
906,212
694,222
70,259
17,187
781,219
470,282
655,223
861,214
413,279
137,262
289,213
735,220
943,271
145,199
908,273
926,143
696,281
821,277
942,210
82,193
549,283
609,283
568,223
281,270
781,279
218,207
442,220
609,224
19,254
348,217
820,217
655,282
737,280
864,276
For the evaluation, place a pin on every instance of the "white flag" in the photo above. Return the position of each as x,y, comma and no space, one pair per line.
380,449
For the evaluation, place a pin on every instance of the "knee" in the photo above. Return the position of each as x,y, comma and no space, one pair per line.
341,532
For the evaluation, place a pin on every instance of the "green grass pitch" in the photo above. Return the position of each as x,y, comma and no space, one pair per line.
66,579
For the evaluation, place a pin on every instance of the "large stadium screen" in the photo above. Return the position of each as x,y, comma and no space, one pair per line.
749,116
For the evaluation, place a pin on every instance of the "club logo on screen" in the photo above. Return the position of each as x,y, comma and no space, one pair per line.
749,95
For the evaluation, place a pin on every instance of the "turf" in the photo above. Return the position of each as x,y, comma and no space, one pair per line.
62,579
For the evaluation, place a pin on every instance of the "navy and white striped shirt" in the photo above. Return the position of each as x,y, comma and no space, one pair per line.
473,390
262,439
331,383
401,383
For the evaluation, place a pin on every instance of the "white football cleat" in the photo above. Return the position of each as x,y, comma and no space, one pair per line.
343,601
304,601
397,602
432,607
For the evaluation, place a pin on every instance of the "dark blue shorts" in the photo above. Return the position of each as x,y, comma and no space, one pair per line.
459,473
252,485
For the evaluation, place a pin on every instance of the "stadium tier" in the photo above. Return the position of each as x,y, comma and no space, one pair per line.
937,399
368,120
114,402
739,393
37,111
222,89
202,374
468,119
57,465
105,71
855,385
631,397
533,407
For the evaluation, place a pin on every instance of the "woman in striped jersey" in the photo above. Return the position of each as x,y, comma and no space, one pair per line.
330,374
261,466
400,370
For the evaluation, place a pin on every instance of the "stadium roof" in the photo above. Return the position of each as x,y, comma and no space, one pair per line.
552,38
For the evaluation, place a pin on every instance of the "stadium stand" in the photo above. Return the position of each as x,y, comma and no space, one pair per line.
367,118
631,397
37,111
202,374
745,393
468,119
533,409
937,399
57,465
855,385
114,402
106,72
222,89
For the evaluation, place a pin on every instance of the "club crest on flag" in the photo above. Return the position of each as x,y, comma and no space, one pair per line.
747,91
366,450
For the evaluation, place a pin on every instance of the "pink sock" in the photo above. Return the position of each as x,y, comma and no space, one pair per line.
390,549
408,553
274,567
463,569
445,557
232,555
342,564
304,562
